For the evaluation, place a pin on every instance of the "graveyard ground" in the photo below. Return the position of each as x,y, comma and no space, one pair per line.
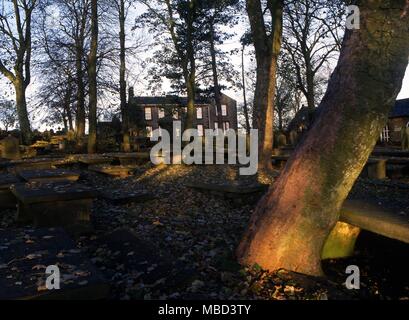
180,244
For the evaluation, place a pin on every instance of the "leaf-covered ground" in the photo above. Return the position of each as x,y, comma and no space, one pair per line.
181,244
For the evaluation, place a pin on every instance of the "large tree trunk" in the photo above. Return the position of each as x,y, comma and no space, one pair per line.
264,110
245,106
67,106
191,97
217,94
292,222
126,145
310,86
267,46
80,110
21,105
92,74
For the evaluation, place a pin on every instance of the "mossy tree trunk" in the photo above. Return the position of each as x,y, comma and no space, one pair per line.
292,222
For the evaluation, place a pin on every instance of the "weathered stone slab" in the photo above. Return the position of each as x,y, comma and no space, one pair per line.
357,215
54,205
129,159
42,147
89,160
29,164
7,199
134,255
10,148
238,193
48,176
376,219
24,257
113,171
119,197
390,153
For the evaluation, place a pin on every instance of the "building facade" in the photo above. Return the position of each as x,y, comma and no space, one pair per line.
398,119
155,111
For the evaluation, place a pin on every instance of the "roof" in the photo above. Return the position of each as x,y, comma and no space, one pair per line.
401,109
167,100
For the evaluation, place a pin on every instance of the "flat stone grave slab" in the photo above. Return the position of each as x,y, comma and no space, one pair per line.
89,160
239,193
113,171
390,153
126,159
24,256
30,164
125,250
54,204
7,199
119,197
56,175
357,215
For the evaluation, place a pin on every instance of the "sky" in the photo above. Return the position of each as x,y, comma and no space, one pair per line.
405,88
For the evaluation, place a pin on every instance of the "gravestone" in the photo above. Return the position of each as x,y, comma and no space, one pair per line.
24,257
7,199
10,148
48,176
54,204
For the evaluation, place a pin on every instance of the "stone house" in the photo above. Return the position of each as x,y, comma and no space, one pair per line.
154,110
398,118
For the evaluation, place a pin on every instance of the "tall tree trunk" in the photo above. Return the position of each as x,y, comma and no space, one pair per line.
92,74
67,106
310,86
292,222
264,110
191,97
190,67
21,105
80,110
267,46
245,106
217,94
126,145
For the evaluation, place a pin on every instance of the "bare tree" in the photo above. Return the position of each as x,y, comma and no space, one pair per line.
311,39
15,48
